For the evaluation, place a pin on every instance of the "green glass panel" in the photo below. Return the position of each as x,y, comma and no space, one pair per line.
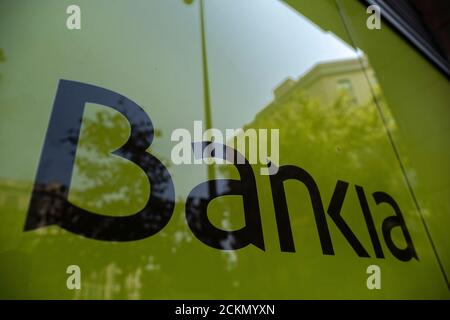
253,65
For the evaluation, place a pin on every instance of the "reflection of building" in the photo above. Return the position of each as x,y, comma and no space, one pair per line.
14,194
326,81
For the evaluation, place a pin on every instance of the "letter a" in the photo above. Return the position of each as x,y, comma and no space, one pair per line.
73,21
374,280
374,20
74,280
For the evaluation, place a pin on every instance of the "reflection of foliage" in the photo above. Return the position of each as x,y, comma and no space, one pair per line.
108,183
343,134
341,137
2,58
314,129
343,140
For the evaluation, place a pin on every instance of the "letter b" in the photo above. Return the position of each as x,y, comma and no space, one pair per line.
49,202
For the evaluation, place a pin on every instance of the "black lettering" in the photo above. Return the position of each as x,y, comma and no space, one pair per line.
395,221
201,195
334,210
369,222
49,203
281,210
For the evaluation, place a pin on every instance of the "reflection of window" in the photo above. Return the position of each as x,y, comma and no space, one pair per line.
345,86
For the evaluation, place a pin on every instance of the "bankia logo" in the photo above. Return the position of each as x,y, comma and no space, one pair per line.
57,163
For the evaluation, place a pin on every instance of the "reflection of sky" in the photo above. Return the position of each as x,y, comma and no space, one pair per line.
152,55
253,46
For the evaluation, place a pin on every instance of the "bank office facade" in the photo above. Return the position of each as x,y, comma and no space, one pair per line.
363,181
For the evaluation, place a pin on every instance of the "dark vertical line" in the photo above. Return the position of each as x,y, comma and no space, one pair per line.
206,94
394,147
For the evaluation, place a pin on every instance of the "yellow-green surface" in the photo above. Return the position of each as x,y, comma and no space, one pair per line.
151,52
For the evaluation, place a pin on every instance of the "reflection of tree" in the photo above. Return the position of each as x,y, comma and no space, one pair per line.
107,183
339,139
343,140
2,58
325,136
315,129
2,55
